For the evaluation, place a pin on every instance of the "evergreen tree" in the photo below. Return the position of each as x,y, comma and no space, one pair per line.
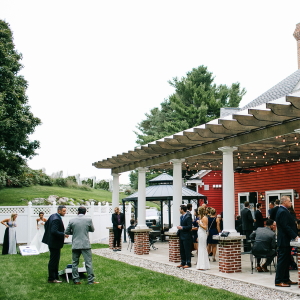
16,120
197,100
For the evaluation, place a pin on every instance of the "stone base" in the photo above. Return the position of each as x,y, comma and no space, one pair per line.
174,247
141,241
230,253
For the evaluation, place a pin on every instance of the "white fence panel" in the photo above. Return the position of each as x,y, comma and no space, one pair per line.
27,215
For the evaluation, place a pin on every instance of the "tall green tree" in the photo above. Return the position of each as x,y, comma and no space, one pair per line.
16,120
197,100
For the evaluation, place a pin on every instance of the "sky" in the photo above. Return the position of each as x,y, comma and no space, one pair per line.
95,67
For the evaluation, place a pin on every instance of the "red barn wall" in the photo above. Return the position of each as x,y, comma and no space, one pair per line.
214,195
279,177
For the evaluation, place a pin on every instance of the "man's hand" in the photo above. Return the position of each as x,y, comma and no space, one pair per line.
120,226
179,227
66,236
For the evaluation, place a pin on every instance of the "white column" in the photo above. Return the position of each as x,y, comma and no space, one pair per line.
142,199
115,191
177,192
228,189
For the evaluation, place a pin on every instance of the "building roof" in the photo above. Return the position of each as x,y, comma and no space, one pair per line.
163,178
164,192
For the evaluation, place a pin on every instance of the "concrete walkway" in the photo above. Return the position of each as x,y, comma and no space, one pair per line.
261,279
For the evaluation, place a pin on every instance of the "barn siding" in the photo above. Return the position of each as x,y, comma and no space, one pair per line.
214,196
276,177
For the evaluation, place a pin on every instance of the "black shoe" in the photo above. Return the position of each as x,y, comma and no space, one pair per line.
210,254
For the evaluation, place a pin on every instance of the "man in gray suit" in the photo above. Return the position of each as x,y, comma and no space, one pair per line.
80,227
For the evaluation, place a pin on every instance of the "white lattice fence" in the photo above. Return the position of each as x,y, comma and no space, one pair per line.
27,215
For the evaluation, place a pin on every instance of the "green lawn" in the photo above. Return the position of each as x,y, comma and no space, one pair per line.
14,196
25,277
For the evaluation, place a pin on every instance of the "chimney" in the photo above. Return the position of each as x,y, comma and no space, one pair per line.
297,37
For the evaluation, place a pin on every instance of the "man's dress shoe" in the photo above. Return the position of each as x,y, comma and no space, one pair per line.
94,282
180,266
54,281
185,267
291,282
78,282
282,284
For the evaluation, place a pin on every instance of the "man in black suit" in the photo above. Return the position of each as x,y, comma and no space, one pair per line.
185,237
54,237
274,210
259,219
286,231
118,220
247,224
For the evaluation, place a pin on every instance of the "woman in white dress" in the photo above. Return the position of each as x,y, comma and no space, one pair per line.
10,239
37,240
203,261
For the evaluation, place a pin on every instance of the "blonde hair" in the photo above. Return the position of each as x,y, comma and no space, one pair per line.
201,212
212,211
12,216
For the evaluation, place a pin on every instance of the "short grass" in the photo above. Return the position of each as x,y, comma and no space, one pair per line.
25,277
14,196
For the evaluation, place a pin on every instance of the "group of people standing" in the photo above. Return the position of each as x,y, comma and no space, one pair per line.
50,237
198,231
282,217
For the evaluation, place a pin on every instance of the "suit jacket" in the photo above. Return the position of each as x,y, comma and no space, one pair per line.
265,242
247,219
54,235
259,219
286,227
273,213
186,222
79,228
114,219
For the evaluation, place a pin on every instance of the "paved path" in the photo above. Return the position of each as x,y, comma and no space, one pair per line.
256,286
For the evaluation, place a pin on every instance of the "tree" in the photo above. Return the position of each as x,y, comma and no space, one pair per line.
16,120
197,100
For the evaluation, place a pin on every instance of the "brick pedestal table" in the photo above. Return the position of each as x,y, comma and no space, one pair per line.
230,253
174,247
111,238
141,241
297,244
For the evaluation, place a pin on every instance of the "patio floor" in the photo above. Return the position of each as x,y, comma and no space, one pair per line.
259,279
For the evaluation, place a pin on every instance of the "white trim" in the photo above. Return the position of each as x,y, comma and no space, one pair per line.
278,192
239,202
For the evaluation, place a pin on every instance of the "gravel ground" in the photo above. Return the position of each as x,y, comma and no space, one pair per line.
238,287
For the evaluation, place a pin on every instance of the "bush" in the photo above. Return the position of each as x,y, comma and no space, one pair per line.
60,182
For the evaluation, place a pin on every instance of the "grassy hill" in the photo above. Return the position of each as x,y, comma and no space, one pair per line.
14,196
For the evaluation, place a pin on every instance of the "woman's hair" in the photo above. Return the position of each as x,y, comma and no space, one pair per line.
208,210
212,211
201,211
41,213
12,216
196,211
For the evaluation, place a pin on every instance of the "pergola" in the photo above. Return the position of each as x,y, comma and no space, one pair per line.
263,133
161,190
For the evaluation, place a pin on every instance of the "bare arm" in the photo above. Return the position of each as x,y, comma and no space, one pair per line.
4,222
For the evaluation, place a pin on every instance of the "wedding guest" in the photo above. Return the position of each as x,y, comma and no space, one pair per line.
54,237
213,229
203,262
195,229
118,220
37,240
10,239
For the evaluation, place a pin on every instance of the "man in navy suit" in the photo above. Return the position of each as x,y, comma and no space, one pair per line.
54,237
286,231
185,237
